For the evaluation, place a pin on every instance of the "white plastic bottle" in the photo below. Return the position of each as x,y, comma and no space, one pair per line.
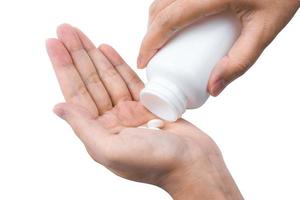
178,74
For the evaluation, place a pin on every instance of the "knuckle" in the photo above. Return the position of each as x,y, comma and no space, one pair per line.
109,73
168,22
79,91
68,66
267,34
163,20
240,68
92,78
133,80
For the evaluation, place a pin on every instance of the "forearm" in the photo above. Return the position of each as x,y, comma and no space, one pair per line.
215,183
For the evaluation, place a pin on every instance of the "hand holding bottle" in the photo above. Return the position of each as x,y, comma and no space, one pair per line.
261,21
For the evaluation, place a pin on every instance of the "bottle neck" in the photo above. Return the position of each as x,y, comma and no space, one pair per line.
164,98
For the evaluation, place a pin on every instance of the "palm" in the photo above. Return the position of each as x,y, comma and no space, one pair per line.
123,115
102,94
133,152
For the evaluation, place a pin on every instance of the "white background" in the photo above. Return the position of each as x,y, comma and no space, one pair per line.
256,121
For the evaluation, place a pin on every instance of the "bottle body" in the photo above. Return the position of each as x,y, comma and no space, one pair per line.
183,66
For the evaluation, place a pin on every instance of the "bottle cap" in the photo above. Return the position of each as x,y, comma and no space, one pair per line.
164,99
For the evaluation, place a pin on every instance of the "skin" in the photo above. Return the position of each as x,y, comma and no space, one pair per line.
102,106
261,21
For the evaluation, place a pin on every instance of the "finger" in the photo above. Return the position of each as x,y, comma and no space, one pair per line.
239,59
111,79
86,127
70,82
85,67
156,7
172,19
133,82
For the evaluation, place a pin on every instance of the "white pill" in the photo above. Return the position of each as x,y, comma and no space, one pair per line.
155,123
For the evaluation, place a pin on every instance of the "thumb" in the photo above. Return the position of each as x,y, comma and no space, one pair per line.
242,55
86,127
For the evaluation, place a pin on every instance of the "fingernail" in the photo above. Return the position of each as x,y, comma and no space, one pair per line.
218,87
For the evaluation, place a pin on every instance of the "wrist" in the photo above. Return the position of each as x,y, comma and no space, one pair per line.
211,180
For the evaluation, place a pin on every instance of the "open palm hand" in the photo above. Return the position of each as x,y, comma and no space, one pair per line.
102,106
